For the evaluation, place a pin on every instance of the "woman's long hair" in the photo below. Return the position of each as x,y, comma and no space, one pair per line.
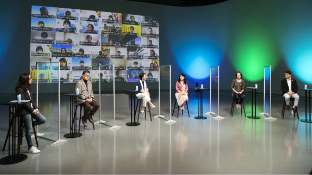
184,78
23,82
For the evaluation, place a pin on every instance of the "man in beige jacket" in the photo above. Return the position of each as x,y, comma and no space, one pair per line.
86,97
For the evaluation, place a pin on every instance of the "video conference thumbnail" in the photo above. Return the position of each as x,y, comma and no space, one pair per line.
41,50
43,24
67,38
61,50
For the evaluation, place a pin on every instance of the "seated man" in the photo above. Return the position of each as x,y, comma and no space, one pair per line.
290,88
86,97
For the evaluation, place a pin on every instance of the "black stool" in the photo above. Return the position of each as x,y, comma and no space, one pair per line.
139,102
284,107
179,109
21,125
232,107
80,117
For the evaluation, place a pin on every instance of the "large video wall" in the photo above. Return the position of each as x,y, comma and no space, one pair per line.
92,40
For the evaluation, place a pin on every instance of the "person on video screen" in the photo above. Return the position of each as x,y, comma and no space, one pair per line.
119,75
63,51
44,11
44,35
150,31
132,19
89,38
113,29
105,28
67,14
151,66
63,62
110,18
152,53
81,63
149,75
105,53
90,28
150,43
66,25
91,18
156,66
69,41
81,51
39,49
131,31
135,64
100,54
41,24
111,42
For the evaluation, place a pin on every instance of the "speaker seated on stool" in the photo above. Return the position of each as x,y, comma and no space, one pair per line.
232,107
139,103
174,106
81,106
284,107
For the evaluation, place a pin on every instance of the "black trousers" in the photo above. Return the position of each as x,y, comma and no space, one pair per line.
239,98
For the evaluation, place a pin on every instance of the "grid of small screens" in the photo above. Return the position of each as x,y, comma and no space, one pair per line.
93,40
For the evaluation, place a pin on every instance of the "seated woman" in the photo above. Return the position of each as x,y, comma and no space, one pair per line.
143,92
182,89
238,87
29,110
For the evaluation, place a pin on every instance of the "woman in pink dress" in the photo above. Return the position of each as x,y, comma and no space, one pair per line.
182,89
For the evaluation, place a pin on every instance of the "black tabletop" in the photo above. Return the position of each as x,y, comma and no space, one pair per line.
70,94
309,89
252,88
13,103
201,88
131,91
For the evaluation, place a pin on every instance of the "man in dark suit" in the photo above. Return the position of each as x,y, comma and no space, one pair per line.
289,87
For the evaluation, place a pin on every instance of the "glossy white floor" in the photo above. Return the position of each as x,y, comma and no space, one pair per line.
235,145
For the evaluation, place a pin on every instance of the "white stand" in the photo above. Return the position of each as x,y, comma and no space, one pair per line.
59,105
268,116
218,117
264,114
100,99
37,97
159,116
210,113
170,121
59,109
115,127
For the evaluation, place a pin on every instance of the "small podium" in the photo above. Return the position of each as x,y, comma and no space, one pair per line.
307,99
253,103
200,103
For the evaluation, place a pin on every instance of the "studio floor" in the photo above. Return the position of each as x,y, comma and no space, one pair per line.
234,145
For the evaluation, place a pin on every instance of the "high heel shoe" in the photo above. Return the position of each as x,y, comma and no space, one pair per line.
152,106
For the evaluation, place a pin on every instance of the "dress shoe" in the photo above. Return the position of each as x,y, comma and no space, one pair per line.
287,107
84,122
295,109
91,120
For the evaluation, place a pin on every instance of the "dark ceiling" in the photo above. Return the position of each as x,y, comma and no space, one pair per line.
183,3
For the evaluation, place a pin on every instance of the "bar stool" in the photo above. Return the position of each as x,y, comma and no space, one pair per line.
284,108
21,139
232,107
139,102
80,117
179,108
